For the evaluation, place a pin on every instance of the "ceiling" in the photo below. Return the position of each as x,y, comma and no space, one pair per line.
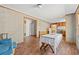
48,12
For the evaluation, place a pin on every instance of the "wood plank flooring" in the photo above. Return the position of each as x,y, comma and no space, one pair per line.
31,46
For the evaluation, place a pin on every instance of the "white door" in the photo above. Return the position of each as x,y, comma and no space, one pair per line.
27,27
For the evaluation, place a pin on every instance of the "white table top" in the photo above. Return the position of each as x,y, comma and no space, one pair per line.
51,35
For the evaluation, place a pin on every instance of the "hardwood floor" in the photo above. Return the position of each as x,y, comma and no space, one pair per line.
30,46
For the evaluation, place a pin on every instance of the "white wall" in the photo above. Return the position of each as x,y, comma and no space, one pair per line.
77,30
70,28
42,26
11,22
2,15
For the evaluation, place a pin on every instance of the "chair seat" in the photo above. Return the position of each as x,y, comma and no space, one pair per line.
4,48
7,46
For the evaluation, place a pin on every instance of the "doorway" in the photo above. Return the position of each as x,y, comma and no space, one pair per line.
30,27
33,28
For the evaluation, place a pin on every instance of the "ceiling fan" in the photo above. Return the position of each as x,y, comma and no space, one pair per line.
39,5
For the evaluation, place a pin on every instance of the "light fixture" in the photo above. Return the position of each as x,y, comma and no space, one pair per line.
39,5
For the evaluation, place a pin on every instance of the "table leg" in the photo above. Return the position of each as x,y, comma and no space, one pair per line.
42,46
46,46
51,48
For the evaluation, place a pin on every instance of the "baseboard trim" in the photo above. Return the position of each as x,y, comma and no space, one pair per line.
71,42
